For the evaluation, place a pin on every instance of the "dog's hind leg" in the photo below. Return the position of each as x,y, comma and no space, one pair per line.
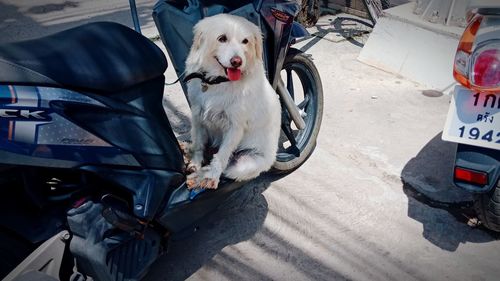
248,166
220,160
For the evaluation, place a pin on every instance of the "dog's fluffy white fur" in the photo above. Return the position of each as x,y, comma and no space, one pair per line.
236,116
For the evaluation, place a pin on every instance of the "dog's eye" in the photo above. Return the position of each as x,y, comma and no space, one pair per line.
222,38
245,41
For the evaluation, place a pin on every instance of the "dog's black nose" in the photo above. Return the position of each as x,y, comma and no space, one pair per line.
236,61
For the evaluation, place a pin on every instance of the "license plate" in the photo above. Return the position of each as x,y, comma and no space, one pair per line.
473,118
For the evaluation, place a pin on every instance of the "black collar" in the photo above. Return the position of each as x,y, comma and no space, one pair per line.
207,80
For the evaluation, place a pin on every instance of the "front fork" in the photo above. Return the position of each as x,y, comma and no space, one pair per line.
290,105
298,31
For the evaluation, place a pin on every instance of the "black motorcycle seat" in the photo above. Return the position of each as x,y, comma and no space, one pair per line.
103,57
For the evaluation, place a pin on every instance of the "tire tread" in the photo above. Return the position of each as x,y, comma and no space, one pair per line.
289,166
487,207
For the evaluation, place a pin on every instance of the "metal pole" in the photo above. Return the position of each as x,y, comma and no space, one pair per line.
135,18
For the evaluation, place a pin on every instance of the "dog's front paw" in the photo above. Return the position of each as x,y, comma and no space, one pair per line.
209,183
192,181
210,178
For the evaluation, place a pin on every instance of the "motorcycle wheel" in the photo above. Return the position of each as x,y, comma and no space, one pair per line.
487,206
304,84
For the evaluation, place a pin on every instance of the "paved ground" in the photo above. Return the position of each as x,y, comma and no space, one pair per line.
374,202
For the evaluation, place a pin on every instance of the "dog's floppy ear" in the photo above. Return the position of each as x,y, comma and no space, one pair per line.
258,44
198,34
195,53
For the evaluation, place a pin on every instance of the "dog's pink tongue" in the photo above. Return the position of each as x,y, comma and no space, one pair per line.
233,74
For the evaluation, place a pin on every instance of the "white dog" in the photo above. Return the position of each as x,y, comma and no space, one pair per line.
241,116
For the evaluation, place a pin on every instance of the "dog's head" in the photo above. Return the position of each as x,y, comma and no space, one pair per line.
225,45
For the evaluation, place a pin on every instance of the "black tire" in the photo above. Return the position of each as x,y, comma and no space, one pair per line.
487,206
309,13
300,67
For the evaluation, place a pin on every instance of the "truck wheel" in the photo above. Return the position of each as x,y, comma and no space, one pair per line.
487,206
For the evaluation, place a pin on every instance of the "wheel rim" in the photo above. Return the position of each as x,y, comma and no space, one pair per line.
302,88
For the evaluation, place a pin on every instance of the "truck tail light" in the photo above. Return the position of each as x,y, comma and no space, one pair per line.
462,57
486,68
477,64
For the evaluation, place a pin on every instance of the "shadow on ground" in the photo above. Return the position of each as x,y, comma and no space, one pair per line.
237,220
242,218
51,7
427,181
346,28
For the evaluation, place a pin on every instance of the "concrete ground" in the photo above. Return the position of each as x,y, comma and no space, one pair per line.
374,201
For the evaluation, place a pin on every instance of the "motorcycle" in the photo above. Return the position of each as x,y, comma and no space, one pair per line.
91,174
473,119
